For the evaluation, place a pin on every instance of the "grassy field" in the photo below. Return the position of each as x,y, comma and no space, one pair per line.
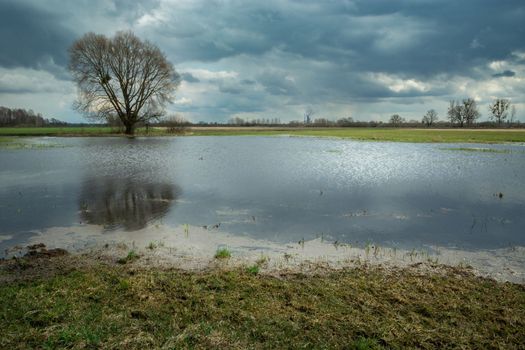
58,131
386,134
368,134
115,306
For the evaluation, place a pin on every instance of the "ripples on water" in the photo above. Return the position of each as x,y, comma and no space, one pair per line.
278,188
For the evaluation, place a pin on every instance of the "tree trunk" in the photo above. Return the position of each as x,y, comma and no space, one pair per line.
130,130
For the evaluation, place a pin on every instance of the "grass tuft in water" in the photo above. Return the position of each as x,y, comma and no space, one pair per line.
223,253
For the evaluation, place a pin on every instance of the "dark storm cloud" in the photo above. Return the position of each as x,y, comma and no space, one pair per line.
403,37
289,53
410,37
507,73
31,37
463,34
277,83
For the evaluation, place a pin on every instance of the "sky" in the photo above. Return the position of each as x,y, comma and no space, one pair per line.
365,59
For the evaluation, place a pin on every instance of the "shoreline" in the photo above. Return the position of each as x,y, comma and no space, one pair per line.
193,248
177,288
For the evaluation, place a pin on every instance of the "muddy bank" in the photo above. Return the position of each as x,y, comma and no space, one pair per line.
194,248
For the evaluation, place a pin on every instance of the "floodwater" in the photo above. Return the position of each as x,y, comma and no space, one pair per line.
279,189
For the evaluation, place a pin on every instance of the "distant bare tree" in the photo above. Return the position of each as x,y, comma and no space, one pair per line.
175,124
122,75
470,111
22,117
348,121
430,117
499,109
396,120
512,114
455,113
308,114
237,121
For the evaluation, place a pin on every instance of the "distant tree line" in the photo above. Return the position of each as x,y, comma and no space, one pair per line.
464,113
259,121
23,117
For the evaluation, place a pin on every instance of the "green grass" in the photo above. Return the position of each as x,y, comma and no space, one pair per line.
58,131
384,134
131,257
253,270
15,143
366,134
483,150
78,131
127,307
223,253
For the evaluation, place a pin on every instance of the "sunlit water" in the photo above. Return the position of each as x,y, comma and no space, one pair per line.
278,188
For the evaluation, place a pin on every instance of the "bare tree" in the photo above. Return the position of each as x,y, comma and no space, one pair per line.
470,111
430,117
396,120
512,114
308,114
455,113
499,109
348,121
122,76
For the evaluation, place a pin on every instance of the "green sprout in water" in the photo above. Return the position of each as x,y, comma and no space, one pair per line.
223,253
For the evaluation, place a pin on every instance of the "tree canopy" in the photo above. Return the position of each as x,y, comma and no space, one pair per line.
430,117
121,76
499,109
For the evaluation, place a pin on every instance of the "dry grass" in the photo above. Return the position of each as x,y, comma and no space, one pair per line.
111,306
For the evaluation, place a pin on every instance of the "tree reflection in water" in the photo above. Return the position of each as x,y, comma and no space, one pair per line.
126,203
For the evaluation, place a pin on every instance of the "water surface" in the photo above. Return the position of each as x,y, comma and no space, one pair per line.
282,189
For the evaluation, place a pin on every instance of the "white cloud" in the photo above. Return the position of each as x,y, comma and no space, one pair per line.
397,84
205,74
183,101
26,80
